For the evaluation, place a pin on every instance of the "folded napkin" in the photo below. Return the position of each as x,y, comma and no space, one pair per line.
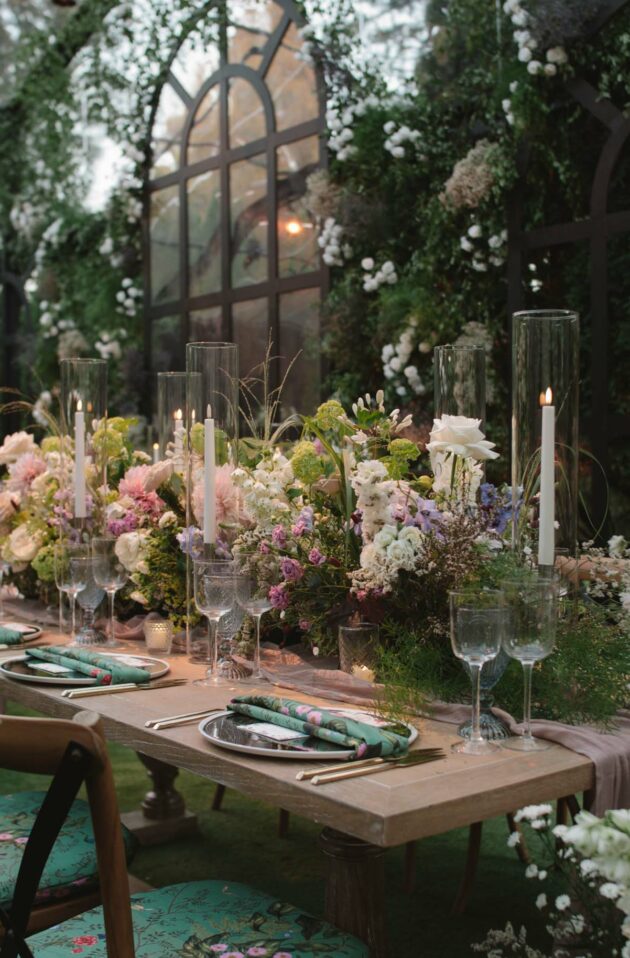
106,670
10,636
367,741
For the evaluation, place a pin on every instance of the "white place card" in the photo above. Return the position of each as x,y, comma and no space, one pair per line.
276,732
51,667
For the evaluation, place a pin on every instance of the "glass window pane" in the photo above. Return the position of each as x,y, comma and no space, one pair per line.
204,232
197,60
166,343
251,23
248,199
298,251
292,83
300,333
246,113
205,134
164,232
250,331
167,130
206,325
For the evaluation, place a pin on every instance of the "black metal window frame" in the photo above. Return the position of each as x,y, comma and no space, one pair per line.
275,284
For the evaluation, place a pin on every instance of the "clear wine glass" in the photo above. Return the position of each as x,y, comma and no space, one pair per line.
256,574
110,574
70,576
532,608
89,600
478,621
214,587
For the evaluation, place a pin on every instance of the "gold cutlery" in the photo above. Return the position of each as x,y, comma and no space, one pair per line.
170,720
307,773
380,765
123,687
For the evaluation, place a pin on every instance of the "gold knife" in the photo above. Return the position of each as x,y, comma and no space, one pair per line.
123,687
342,774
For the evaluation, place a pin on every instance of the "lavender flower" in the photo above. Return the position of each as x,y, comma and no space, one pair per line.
315,557
278,597
291,569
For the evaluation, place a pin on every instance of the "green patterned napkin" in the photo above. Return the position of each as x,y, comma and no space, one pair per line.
10,636
103,668
367,741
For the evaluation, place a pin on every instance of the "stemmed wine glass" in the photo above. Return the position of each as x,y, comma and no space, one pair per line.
70,575
256,574
214,586
110,574
532,607
478,622
89,599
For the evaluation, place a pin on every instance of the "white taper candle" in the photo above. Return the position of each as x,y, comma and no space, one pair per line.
209,480
80,509
547,505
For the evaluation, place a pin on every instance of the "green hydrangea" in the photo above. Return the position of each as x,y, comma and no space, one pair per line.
44,564
109,443
196,438
327,415
51,444
401,453
307,465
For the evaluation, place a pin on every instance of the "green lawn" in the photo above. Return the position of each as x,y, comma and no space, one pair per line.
240,843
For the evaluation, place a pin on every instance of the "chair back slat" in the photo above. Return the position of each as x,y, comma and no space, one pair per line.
41,745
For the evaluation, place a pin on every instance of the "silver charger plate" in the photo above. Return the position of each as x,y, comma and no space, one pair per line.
226,729
15,668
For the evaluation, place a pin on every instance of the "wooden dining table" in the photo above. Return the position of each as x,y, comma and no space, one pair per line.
360,818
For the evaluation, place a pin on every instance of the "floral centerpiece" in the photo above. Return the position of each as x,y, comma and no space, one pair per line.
361,521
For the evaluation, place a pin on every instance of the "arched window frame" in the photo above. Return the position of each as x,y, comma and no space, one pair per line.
275,285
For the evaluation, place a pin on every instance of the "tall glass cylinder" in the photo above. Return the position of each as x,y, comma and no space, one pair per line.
173,392
83,429
459,381
212,412
545,397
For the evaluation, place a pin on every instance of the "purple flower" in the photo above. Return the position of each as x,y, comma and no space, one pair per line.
128,523
305,626
279,537
291,569
306,516
320,449
278,597
264,548
428,516
298,529
315,557
191,542
488,494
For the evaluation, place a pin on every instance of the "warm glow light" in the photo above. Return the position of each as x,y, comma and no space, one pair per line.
294,227
79,405
178,414
156,446
546,398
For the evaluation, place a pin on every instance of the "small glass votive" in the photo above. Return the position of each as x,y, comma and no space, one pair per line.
358,645
158,635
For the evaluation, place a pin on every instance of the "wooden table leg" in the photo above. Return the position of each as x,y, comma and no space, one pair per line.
355,888
163,816
470,869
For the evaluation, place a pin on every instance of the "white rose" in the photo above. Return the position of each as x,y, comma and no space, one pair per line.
23,544
460,436
128,549
15,446
401,554
410,534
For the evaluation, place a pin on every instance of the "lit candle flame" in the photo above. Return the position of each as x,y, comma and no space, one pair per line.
178,414
79,406
156,446
546,398
293,227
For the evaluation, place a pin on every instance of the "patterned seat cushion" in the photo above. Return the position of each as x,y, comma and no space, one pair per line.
71,867
205,919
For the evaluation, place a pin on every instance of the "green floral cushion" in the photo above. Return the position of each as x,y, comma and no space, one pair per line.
205,919
71,867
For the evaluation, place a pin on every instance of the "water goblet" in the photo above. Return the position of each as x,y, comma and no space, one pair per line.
110,574
214,587
256,574
70,576
89,600
477,628
532,609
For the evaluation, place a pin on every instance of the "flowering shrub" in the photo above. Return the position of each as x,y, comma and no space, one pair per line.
592,918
